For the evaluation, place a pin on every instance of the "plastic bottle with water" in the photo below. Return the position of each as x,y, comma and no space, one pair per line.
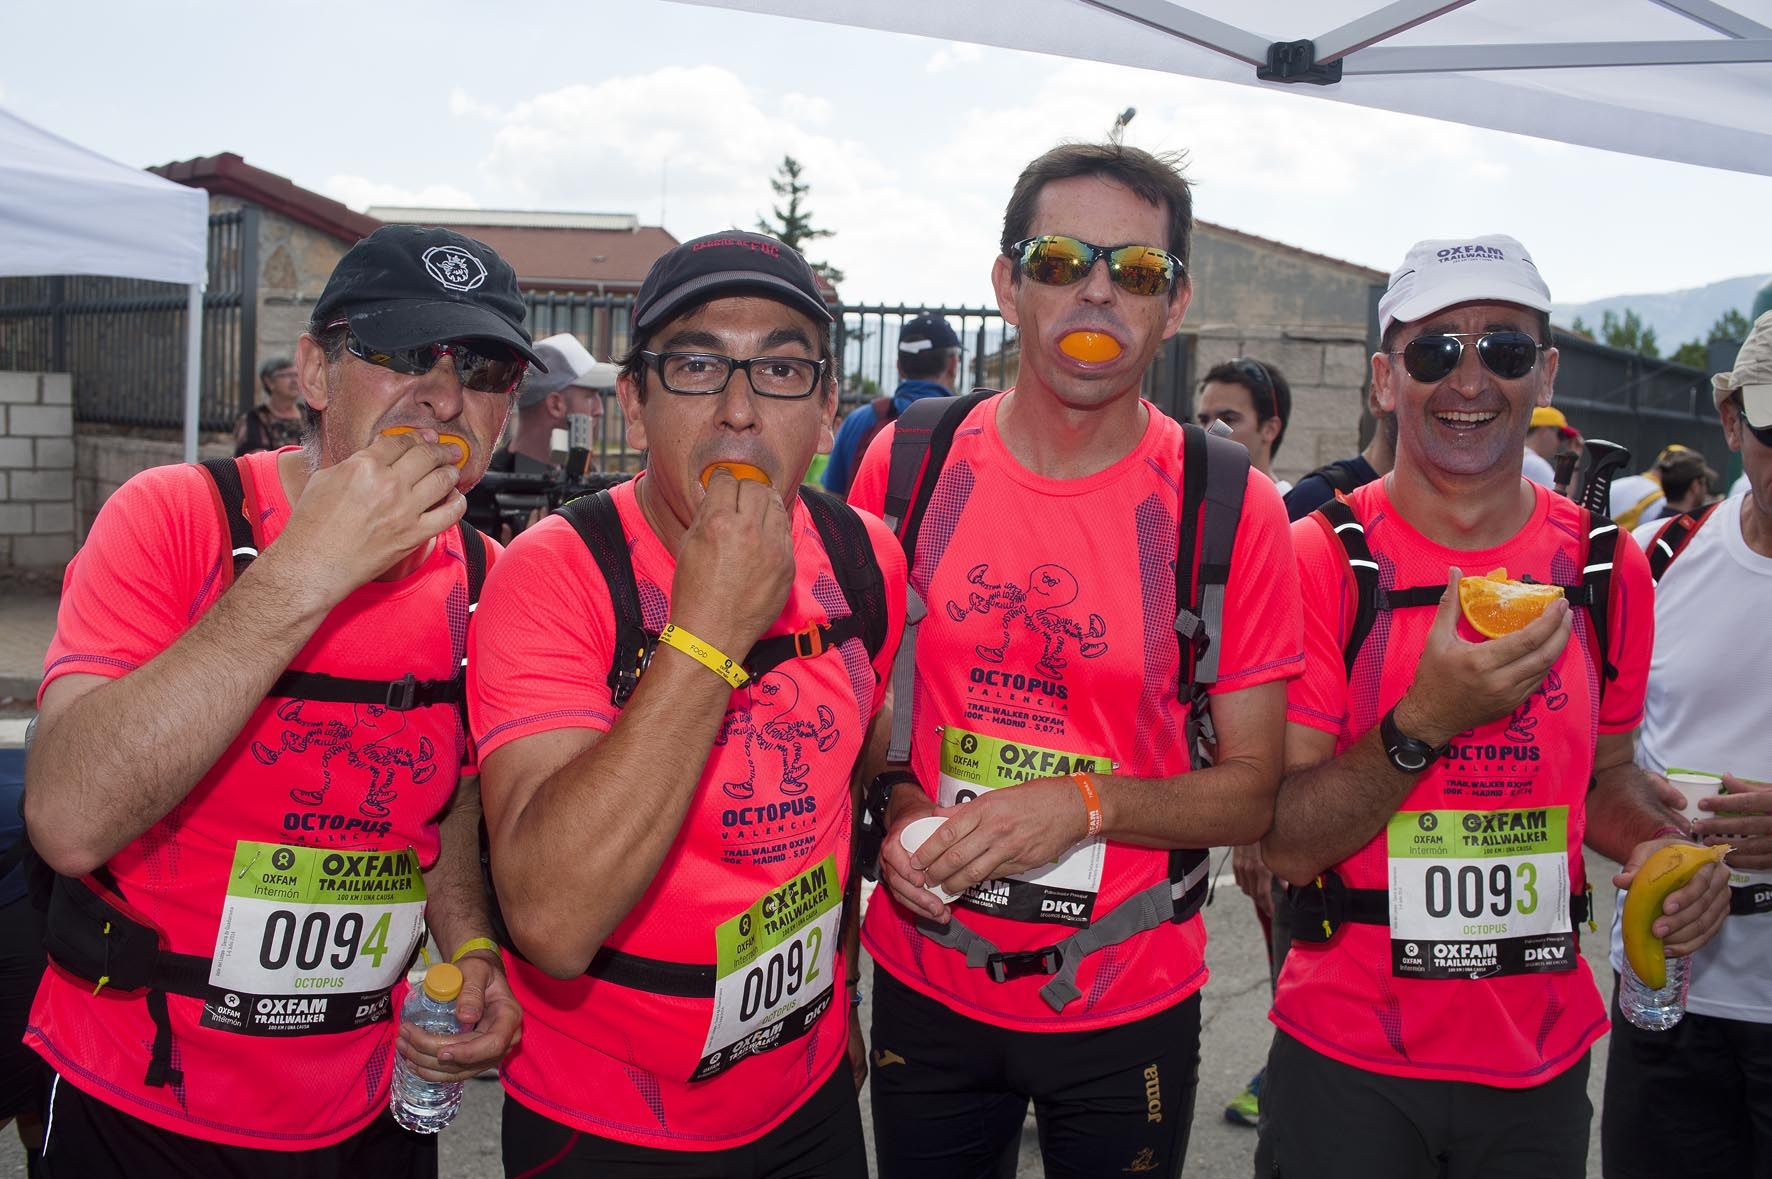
1650,1009
422,1106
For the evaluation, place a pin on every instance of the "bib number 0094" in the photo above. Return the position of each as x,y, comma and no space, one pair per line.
307,937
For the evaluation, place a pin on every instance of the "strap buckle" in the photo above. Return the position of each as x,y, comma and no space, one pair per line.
403,694
1003,966
809,641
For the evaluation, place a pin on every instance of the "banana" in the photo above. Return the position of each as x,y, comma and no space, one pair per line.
1664,872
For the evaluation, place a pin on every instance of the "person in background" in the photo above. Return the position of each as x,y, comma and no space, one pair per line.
1343,475
1543,439
276,421
1686,483
1253,399
928,366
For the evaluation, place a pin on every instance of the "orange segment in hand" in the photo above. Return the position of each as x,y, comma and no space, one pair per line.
737,471
455,440
1496,606
1089,347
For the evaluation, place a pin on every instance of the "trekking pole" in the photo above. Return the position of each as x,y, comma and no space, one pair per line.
1604,460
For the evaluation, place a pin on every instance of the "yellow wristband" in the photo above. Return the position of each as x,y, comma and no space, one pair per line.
709,657
472,944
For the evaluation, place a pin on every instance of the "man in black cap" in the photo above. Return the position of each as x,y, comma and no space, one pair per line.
672,684
928,366
251,767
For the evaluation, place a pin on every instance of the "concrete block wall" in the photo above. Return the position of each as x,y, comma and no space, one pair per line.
105,461
1326,368
36,471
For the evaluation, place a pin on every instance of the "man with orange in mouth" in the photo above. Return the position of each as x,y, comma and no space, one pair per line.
254,706
672,856
1051,706
1456,737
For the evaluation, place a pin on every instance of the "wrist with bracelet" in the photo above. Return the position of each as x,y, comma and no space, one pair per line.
704,653
478,945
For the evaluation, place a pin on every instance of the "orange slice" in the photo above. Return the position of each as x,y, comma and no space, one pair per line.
737,470
1496,606
455,440
1089,347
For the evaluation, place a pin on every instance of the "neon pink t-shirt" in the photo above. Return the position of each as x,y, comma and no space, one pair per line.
773,802
1050,645
368,778
1487,1006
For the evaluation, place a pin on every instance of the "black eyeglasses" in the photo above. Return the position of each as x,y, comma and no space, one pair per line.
475,369
1256,373
703,374
1510,355
1059,261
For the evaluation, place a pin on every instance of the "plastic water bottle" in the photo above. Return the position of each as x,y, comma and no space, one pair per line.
422,1106
1655,1010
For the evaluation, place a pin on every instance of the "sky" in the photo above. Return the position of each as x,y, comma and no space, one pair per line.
681,114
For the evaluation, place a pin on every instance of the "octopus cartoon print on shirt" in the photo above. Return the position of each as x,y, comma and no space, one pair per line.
1038,606
769,728
363,745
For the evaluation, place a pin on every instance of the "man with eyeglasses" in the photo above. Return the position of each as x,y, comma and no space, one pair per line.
672,864
1051,702
1434,1013
252,766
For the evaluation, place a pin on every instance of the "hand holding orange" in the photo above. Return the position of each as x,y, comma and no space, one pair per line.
1496,606
455,440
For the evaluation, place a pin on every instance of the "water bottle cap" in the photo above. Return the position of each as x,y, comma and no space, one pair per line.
443,982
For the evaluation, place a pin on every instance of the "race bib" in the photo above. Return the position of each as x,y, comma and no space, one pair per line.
312,940
1474,894
775,975
1062,892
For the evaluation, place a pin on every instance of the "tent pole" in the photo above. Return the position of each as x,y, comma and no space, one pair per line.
193,367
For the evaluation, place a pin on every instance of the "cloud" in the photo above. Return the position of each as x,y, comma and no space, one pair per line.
952,57
360,193
464,105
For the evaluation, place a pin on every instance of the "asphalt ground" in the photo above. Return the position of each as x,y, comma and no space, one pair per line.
1234,1041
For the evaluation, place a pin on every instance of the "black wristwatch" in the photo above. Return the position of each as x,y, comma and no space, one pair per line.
873,819
1406,753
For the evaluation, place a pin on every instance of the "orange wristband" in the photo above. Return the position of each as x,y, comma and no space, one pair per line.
1091,800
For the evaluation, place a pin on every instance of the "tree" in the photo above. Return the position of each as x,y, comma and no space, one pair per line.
1629,333
1581,329
793,225
1731,325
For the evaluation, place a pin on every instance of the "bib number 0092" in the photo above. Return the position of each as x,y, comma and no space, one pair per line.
781,976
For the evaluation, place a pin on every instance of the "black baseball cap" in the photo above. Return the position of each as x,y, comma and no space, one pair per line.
408,285
926,332
729,263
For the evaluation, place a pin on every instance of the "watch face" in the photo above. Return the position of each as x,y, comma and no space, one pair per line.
1408,759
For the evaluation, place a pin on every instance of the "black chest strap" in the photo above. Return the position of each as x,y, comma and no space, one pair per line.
1322,907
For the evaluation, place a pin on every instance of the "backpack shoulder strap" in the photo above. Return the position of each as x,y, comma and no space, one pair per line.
238,506
1345,528
883,411
1672,538
845,540
1215,473
920,442
1595,591
598,524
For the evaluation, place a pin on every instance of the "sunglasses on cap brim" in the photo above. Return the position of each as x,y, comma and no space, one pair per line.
484,367
1510,355
1058,261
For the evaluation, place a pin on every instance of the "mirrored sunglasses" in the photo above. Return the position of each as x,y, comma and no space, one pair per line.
1059,261
495,370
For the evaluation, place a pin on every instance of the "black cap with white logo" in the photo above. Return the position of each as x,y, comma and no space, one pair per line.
408,285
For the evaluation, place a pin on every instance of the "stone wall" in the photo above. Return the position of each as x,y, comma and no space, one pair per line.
1327,371
36,470
294,261
105,459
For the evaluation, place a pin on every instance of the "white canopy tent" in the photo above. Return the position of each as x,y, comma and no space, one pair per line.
1684,80
67,210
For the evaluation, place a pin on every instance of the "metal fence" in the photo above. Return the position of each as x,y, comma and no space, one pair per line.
123,340
1638,402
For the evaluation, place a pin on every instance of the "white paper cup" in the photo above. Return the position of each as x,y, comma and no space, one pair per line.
915,834
1695,787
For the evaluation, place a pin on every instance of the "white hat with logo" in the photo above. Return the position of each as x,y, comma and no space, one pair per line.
1435,275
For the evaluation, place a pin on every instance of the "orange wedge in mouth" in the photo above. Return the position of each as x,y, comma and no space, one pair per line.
1090,347
737,471
1496,606
455,440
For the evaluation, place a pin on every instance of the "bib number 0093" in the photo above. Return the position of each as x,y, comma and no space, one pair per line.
1474,892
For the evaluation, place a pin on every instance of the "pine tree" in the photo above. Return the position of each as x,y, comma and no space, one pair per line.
793,224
